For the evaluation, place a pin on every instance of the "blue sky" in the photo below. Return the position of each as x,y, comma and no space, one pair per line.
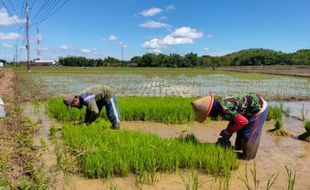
99,28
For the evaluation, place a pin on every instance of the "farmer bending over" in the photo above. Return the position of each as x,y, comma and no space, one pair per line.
94,98
246,114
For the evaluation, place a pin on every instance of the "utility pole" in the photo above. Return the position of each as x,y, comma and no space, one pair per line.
16,58
27,37
38,43
122,50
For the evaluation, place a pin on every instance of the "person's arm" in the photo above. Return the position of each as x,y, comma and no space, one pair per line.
238,123
236,120
92,112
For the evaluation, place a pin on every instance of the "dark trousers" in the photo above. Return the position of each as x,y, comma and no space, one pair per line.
248,137
111,109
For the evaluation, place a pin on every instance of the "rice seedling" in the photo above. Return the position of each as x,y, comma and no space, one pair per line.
56,109
306,136
255,182
291,178
102,152
169,82
170,110
278,129
275,113
191,182
303,113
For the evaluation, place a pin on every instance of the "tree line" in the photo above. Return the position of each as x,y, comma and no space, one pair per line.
246,57
241,58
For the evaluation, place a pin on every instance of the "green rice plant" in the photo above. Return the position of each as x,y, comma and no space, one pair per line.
278,129
101,152
56,109
291,178
191,182
306,135
307,127
113,186
170,110
255,180
303,113
275,112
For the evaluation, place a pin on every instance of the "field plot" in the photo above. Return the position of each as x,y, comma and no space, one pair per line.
163,82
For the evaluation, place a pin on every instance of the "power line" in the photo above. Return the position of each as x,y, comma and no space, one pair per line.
49,14
52,13
8,10
41,9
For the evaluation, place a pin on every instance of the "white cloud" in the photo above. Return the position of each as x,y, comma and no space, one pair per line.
153,44
183,35
154,24
123,45
8,46
170,40
6,20
65,47
89,51
209,35
163,17
85,50
10,36
112,37
150,12
187,32
206,49
170,7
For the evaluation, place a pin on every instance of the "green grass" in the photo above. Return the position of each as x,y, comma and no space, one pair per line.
103,152
170,110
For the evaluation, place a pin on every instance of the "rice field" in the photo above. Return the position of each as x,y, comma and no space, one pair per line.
103,152
161,82
170,110
159,95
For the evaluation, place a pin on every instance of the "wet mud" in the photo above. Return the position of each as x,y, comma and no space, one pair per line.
273,155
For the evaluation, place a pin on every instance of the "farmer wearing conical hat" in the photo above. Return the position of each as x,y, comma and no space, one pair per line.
246,114
94,98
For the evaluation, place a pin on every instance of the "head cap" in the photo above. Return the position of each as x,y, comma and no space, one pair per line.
202,107
68,101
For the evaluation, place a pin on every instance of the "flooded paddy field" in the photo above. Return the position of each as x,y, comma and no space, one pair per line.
273,155
275,152
171,82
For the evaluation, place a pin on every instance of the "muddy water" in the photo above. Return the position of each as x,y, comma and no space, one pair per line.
273,155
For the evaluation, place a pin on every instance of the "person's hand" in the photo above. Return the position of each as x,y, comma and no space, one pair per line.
225,134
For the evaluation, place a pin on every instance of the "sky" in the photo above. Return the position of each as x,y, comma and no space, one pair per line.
101,28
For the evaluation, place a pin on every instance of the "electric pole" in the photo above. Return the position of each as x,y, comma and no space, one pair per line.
38,43
122,50
27,37
16,58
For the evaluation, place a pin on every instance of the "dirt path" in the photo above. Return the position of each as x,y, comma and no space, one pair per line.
7,83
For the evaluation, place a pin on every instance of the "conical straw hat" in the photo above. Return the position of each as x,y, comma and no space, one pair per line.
202,107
